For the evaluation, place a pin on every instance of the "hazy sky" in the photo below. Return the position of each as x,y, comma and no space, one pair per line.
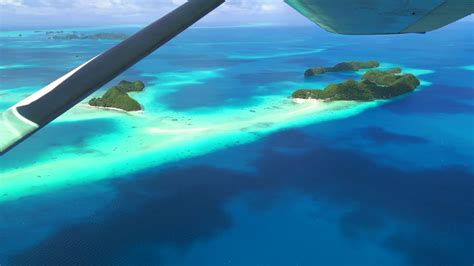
57,13
44,13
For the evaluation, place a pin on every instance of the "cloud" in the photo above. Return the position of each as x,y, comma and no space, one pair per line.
133,6
11,2
87,12
256,5
59,13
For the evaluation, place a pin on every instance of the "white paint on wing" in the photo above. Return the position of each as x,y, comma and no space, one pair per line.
50,87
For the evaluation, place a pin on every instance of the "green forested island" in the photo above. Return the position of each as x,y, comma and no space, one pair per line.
342,67
127,86
375,84
81,36
117,97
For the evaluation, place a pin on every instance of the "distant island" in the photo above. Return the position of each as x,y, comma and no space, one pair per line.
342,67
60,35
117,97
375,84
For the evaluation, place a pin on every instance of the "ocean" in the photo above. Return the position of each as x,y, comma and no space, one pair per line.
223,168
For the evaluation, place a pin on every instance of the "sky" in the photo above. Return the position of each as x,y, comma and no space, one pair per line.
60,13
48,13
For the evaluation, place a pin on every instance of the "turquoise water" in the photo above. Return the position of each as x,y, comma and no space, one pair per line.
223,169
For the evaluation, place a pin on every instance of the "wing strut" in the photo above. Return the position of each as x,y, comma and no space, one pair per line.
23,119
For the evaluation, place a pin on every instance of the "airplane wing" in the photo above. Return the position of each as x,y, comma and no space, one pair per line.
39,109
382,16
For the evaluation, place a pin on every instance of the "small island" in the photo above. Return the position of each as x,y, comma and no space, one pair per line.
127,86
117,97
375,84
342,67
60,35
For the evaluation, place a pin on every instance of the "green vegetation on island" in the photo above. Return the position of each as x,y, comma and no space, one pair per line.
342,67
375,84
117,97
81,36
127,86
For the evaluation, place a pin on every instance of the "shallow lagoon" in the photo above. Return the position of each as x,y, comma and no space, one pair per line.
222,168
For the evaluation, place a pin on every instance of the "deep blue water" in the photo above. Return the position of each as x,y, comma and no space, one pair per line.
393,185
